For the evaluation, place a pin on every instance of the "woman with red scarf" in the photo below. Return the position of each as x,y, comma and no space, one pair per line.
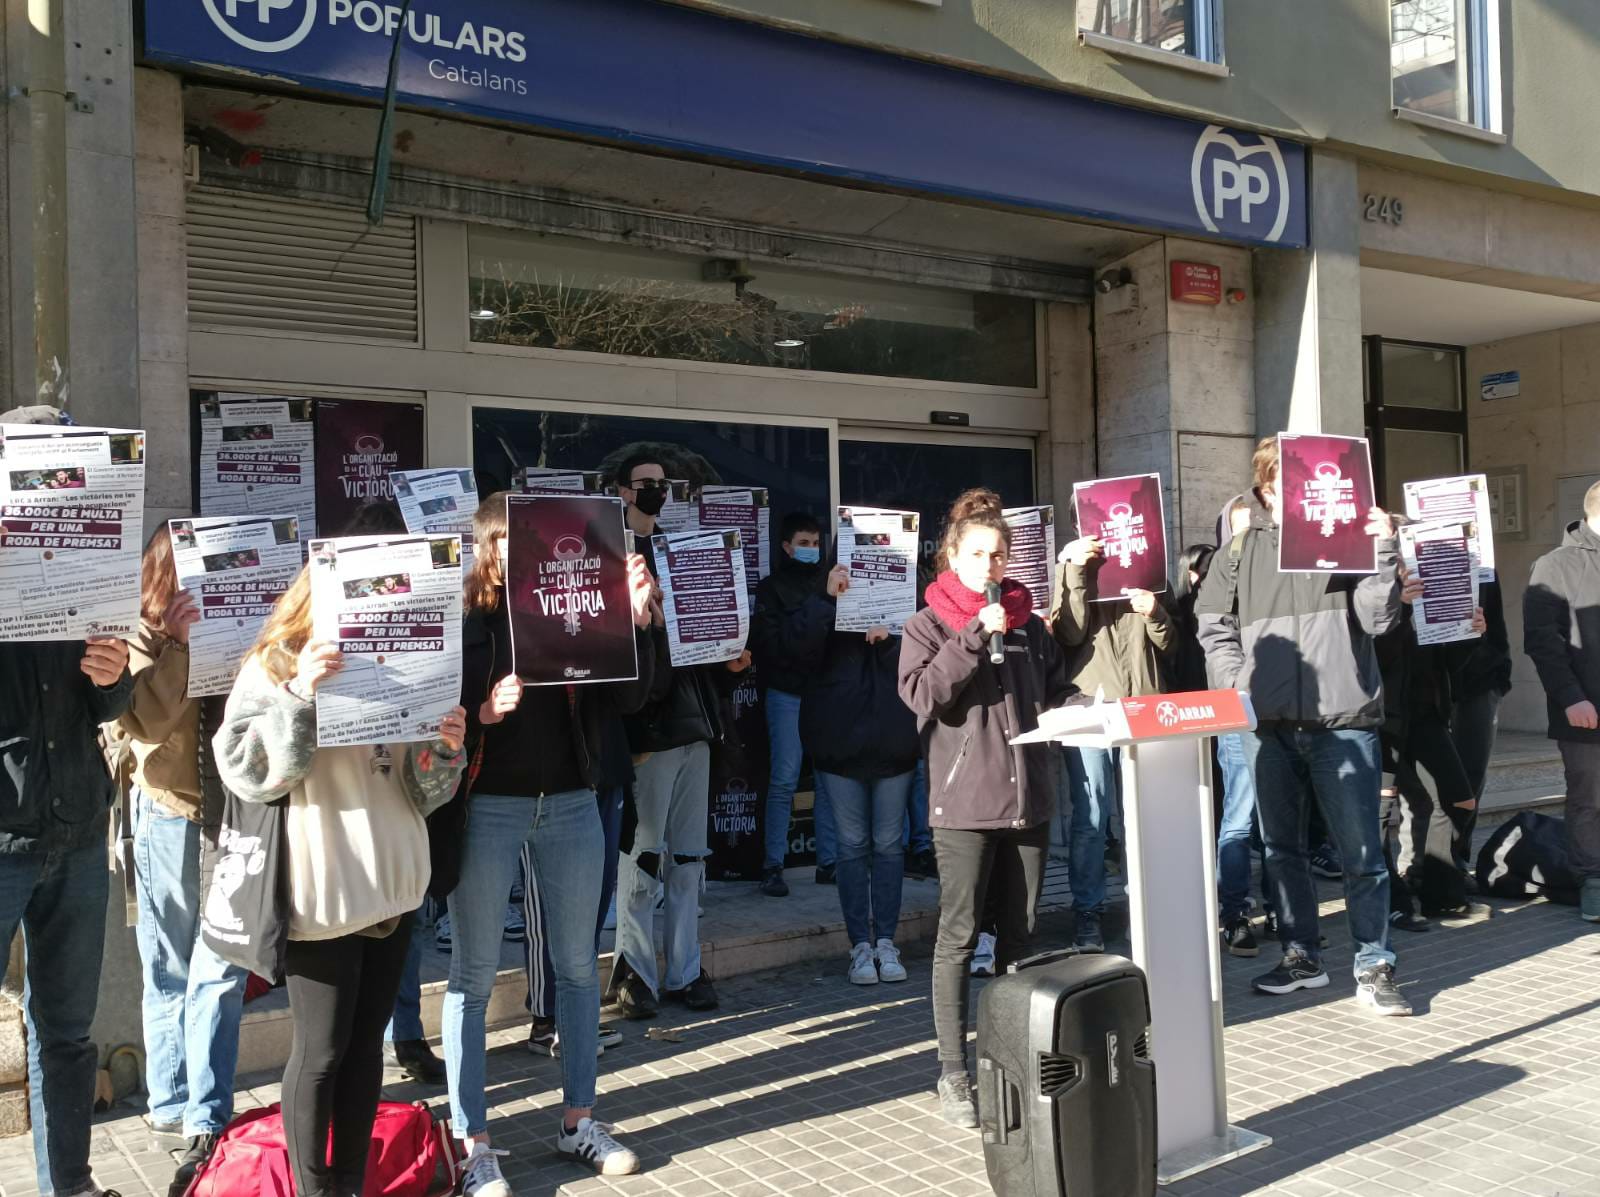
989,803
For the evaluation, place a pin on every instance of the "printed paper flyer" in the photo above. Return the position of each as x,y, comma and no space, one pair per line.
1466,499
567,587
539,480
682,510
707,612
393,604
743,508
1325,489
360,442
1440,552
1033,552
71,531
443,500
235,567
257,457
1127,515
879,549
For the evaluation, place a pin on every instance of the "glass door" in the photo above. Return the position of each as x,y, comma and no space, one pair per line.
1416,414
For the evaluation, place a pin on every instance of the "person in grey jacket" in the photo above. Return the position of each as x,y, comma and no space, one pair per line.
55,792
1302,645
1561,632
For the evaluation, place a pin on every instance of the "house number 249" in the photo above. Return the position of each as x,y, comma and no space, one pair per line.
1386,208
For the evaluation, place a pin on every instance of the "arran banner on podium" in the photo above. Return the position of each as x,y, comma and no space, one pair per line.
1201,713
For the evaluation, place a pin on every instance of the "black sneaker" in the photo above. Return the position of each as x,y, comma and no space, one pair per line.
1296,972
957,1105
1402,920
610,1037
1237,938
193,1159
1113,855
698,994
1325,862
825,875
1376,990
1087,936
923,864
416,1059
630,994
1269,925
773,884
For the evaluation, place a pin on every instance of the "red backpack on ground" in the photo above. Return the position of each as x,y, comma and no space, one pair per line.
412,1156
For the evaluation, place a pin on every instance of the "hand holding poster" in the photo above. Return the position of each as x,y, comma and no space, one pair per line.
235,567
1440,552
71,531
438,501
1324,492
257,457
1033,552
707,611
879,549
567,590
393,605
1127,516
1465,499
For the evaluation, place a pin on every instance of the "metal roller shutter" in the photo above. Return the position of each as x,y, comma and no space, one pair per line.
260,263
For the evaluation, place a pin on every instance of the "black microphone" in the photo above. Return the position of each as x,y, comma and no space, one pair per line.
997,640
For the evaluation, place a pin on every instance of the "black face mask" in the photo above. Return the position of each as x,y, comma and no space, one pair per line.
650,500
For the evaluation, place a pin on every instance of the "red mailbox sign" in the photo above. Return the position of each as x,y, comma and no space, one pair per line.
1196,282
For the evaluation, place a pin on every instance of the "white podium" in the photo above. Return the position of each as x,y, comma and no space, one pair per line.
1172,899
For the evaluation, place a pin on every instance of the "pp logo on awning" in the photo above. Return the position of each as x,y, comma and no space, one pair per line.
1239,184
265,26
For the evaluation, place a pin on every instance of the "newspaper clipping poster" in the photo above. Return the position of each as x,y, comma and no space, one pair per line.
540,480
743,508
443,500
258,457
1466,499
235,567
71,531
567,590
1033,552
1128,517
681,512
393,605
878,547
1440,552
1325,490
708,615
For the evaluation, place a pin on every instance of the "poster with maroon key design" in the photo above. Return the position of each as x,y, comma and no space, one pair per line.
1325,491
1128,517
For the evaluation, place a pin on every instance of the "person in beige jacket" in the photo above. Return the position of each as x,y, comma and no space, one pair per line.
1114,648
192,998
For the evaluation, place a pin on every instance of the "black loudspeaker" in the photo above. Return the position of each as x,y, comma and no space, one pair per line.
1066,1089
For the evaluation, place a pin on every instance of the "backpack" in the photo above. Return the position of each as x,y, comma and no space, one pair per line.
412,1156
1526,857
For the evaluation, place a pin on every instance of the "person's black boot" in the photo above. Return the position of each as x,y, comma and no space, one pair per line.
416,1059
630,994
773,884
190,1162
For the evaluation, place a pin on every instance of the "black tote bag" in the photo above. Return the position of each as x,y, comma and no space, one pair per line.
245,918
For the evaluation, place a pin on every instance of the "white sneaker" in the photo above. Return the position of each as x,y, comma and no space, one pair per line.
983,957
591,1143
889,966
863,965
480,1171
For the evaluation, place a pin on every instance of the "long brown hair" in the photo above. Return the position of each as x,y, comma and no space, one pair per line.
286,632
158,577
976,508
481,591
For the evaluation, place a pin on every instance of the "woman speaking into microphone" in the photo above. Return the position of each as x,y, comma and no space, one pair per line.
976,668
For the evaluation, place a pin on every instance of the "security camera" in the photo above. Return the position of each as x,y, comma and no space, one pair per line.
1112,279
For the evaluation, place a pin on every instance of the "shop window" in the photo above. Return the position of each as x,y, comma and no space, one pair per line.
567,294
1444,60
1191,28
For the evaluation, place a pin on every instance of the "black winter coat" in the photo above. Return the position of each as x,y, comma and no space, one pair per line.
782,660
1561,627
1487,667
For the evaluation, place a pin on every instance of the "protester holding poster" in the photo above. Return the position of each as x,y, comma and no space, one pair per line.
990,800
54,795
357,866
1326,486
1117,648
1128,518
536,786
1442,554
1305,653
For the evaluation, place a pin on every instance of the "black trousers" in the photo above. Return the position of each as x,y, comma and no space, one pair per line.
1000,873
1432,784
341,993
1472,727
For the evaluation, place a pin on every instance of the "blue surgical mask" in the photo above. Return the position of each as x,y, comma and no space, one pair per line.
807,554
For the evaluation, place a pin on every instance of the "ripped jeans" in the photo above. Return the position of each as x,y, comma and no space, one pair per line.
671,792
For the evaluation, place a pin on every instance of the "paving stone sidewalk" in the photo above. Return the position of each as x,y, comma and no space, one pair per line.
805,1085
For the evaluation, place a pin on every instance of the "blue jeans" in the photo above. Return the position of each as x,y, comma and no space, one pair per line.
59,899
405,1025
563,833
193,998
1341,772
783,737
669,851
918,836
536,961
870,814
1092,784
1237,831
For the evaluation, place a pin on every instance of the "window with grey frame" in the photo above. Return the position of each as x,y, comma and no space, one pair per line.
1192,28
1416,413
1443,57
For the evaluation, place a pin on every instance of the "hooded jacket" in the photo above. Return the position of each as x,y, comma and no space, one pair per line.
1109,646
1561,627
780,659
968,711
1299,643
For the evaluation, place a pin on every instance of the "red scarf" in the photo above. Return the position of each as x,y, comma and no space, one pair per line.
957,607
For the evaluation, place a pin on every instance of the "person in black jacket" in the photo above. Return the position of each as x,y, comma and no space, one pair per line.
781,670
1561,632
671,738
990,801
55,792
863,744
